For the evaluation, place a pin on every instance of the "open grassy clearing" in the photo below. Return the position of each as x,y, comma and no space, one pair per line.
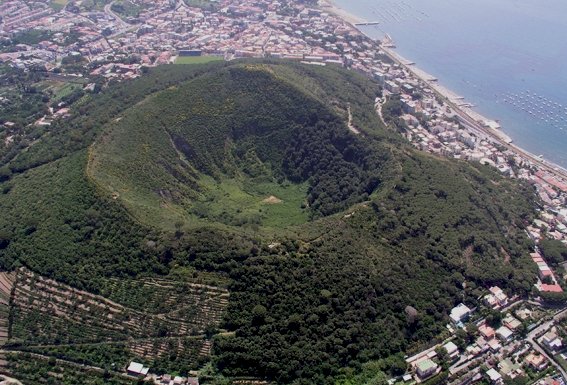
197,59
205,4
58,4
246,202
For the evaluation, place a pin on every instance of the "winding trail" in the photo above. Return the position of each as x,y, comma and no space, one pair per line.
351,126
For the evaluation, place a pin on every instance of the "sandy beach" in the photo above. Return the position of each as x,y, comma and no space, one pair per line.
330,7
475,118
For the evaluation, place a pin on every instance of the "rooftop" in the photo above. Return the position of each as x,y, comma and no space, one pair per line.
426,365
493,374
137,368
451,347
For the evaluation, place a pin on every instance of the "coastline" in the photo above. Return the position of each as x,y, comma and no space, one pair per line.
330,7
473,118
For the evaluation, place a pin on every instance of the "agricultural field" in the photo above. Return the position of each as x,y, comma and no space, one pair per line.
58,4
34,369
127,8
60,90
203,4
93,5
166,324
6,285
197,59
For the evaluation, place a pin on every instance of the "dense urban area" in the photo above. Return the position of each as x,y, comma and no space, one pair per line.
66,49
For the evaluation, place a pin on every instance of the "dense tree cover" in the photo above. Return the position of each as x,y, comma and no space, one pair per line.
555,252
55,223
392,109
27,37
245,121
343,299
342,171
91,113
468,220
21,102
420,235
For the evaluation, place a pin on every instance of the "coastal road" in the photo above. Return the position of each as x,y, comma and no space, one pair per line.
488,132
476,126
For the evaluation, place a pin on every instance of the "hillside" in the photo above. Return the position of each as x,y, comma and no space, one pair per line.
245,145
245,177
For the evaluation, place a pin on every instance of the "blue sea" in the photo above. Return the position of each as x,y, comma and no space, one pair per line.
507,57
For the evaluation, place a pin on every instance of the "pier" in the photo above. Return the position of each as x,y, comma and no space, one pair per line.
367,23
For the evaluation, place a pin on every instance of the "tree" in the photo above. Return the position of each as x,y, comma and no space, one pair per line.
442,356
554,251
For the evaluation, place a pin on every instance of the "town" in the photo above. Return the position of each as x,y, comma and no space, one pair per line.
116,40
504,336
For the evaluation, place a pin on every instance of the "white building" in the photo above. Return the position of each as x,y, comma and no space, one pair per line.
504,333
137,369
494,376
451,349
460,313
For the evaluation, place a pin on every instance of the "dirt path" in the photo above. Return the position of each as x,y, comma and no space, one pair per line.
378,107
350,124
5,380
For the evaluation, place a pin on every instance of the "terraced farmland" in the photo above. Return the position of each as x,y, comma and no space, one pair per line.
195,303
34,369
6,285
163,325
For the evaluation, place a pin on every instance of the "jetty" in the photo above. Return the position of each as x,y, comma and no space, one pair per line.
367,23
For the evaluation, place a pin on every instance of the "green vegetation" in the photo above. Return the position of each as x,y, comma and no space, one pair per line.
89,114
203,4
554,252
168,326
244,176
127,8
28,37
58,4
36,370
67,231
240,137
93,5
197,59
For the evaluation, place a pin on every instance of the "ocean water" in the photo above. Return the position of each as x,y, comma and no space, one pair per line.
507,57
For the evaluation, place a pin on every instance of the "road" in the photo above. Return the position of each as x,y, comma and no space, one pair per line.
488,132
108,10
477,127
9,380
544,327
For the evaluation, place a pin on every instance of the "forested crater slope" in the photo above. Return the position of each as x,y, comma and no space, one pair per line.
245,176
